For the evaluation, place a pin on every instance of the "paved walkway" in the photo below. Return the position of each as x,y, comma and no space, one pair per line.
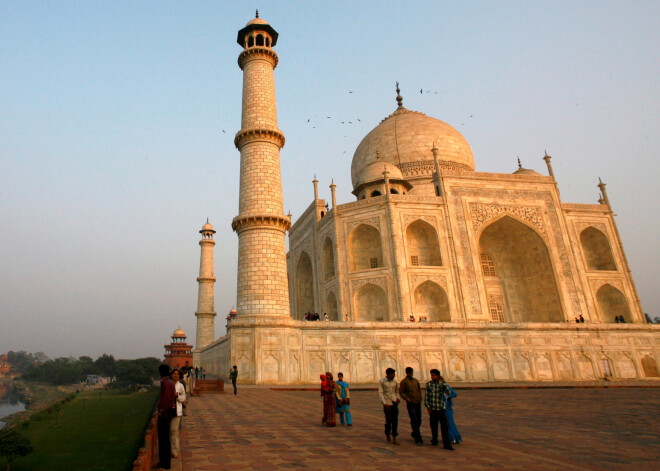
265,429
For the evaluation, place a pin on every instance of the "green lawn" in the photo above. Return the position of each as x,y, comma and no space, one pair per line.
103,436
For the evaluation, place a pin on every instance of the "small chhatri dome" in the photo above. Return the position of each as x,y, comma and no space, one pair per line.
525,171
403,139
374,173
257,24
207,227
179,333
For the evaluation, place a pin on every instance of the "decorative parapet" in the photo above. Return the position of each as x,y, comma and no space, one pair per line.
600,208
246,136
257,51
242,223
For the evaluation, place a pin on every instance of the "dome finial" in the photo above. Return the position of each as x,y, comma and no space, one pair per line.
399,98
256,15
377,156
519,165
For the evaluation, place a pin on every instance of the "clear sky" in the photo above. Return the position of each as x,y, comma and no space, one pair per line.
117,121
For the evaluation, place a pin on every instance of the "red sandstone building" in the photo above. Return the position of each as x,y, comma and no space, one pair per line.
178,354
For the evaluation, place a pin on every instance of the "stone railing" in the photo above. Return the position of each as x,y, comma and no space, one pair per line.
146,454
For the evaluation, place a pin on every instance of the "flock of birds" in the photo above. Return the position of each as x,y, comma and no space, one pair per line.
358,120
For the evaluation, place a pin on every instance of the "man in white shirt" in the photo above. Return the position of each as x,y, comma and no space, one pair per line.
388,391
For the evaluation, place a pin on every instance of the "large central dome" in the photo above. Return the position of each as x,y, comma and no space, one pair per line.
405,139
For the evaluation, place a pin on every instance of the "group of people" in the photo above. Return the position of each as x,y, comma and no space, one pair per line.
170,410
314,316
579,320
619,320
336,400
421,319
437,400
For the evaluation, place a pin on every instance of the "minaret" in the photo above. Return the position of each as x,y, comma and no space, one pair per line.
263,286
205,297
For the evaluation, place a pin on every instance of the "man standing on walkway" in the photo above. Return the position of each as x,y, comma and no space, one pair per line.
233,374
436,403
388,391
166,410
411,392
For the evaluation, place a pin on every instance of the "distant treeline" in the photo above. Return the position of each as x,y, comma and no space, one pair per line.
74,370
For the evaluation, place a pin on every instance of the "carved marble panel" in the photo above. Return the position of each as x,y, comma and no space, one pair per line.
374,221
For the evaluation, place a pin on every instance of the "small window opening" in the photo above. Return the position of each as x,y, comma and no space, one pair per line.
496,308
251,41
363,197
268,42
437,191
487,265
322,214
374,262
393,191
260,40
414,260
375,193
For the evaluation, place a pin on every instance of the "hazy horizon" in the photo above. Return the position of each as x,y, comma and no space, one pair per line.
117,122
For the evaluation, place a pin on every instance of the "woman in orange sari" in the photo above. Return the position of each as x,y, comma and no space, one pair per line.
328,391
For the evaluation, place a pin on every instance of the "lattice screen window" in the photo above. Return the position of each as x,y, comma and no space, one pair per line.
414,260
496,306
374,262
487,265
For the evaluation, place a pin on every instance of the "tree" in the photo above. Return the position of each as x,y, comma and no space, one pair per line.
13,445
105,365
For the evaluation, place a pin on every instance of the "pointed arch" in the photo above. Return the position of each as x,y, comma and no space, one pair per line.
328,259
333,312
524,273
304,285
431,301
423,246
365,248
597,250
371,304
260,39
612,303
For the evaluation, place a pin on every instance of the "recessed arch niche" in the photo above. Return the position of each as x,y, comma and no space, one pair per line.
333,313
328,259
432,302
524,271
597,251
304,285
423,246
612,303
365,248
371,304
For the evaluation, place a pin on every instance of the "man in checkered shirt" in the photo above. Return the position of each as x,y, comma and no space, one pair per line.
435,400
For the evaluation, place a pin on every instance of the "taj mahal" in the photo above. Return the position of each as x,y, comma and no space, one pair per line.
504,280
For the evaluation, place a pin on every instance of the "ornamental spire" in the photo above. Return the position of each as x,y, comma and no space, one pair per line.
399,98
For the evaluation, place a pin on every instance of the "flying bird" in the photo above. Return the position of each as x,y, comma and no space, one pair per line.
224,131
308,120
359,119
421,91
351,91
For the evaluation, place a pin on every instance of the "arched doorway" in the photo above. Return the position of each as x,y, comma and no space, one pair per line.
332,307
597,251
304,286
431,302
365,248
371,304
612,304
328,259
423,246
523,271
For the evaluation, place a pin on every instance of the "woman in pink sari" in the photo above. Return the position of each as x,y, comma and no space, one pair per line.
328,391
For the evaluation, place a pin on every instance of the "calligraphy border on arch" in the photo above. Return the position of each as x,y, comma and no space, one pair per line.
482,213
457,194
374,221
378,281
410,218
598,283
582,225
416,280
